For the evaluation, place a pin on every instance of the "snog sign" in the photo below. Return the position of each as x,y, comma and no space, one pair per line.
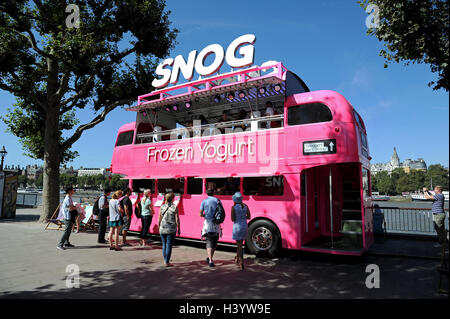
196,62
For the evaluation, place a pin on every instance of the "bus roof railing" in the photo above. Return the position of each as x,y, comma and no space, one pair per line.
236,80
195,130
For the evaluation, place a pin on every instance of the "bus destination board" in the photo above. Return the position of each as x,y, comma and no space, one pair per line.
319,147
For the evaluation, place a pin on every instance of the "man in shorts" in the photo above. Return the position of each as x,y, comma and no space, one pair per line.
210,231
438,213
127,206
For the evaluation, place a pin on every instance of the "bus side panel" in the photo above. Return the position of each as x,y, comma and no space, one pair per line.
283,211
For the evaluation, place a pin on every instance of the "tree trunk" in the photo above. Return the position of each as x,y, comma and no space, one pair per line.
52,159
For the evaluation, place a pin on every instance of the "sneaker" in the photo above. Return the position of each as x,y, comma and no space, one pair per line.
211,264
125,244
111,248
207,260
60,247
69,245
102,242
118,249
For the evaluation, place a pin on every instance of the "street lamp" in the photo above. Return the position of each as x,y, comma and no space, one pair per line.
3,153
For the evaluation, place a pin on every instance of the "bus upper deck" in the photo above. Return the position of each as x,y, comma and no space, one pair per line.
301,124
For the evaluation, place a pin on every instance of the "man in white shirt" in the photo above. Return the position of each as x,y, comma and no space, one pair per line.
67,207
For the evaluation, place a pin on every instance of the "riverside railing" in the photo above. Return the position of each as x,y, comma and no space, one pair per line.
35,199
415,221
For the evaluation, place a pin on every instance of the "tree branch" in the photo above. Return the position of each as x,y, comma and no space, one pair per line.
63,86
19,93
32,41
98,119
76,96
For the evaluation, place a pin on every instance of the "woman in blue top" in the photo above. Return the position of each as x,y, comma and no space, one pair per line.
239,215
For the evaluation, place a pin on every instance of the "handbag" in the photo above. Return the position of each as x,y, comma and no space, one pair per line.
73,215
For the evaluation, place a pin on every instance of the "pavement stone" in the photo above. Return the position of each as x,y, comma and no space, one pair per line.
32,267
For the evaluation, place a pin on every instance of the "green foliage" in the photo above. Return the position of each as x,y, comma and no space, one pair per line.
399,181
39,181
437,175
415,31
23,180
100,182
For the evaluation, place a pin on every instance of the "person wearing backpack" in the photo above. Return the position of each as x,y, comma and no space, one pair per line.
103,214
211,230
239,215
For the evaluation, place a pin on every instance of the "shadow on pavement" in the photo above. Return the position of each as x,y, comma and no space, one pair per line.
308,277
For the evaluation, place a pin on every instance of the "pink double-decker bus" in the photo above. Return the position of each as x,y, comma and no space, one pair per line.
300,159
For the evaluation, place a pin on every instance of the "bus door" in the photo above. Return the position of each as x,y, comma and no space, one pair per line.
321,206
309,206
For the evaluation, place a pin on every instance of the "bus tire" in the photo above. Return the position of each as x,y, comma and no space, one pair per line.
263,238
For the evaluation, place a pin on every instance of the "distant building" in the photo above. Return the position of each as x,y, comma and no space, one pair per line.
394,163
11,170
93,171
68,170
34,171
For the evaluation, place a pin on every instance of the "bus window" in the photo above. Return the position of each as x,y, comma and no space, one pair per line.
175,185
264,186
125,138
194,185
223,186
140,185
365,181
309,113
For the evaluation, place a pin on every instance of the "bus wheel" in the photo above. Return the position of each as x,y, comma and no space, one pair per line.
263,239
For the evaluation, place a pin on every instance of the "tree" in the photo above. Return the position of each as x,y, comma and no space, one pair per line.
384,183
40,181
23,180
437,175
414,31
55,64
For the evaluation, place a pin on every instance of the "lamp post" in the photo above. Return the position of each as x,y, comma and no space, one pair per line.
3,153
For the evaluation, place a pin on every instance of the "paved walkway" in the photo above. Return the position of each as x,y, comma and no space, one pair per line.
32,267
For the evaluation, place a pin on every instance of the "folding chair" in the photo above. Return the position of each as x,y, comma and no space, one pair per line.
57,220
88,222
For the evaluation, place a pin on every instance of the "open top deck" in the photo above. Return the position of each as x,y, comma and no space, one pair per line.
236,92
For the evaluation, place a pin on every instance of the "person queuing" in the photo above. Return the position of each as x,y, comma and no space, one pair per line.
115,212
146,215
70,213
210,231
127,207
239,215
103,214
169,226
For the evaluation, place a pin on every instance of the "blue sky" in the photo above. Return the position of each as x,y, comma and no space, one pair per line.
325,43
